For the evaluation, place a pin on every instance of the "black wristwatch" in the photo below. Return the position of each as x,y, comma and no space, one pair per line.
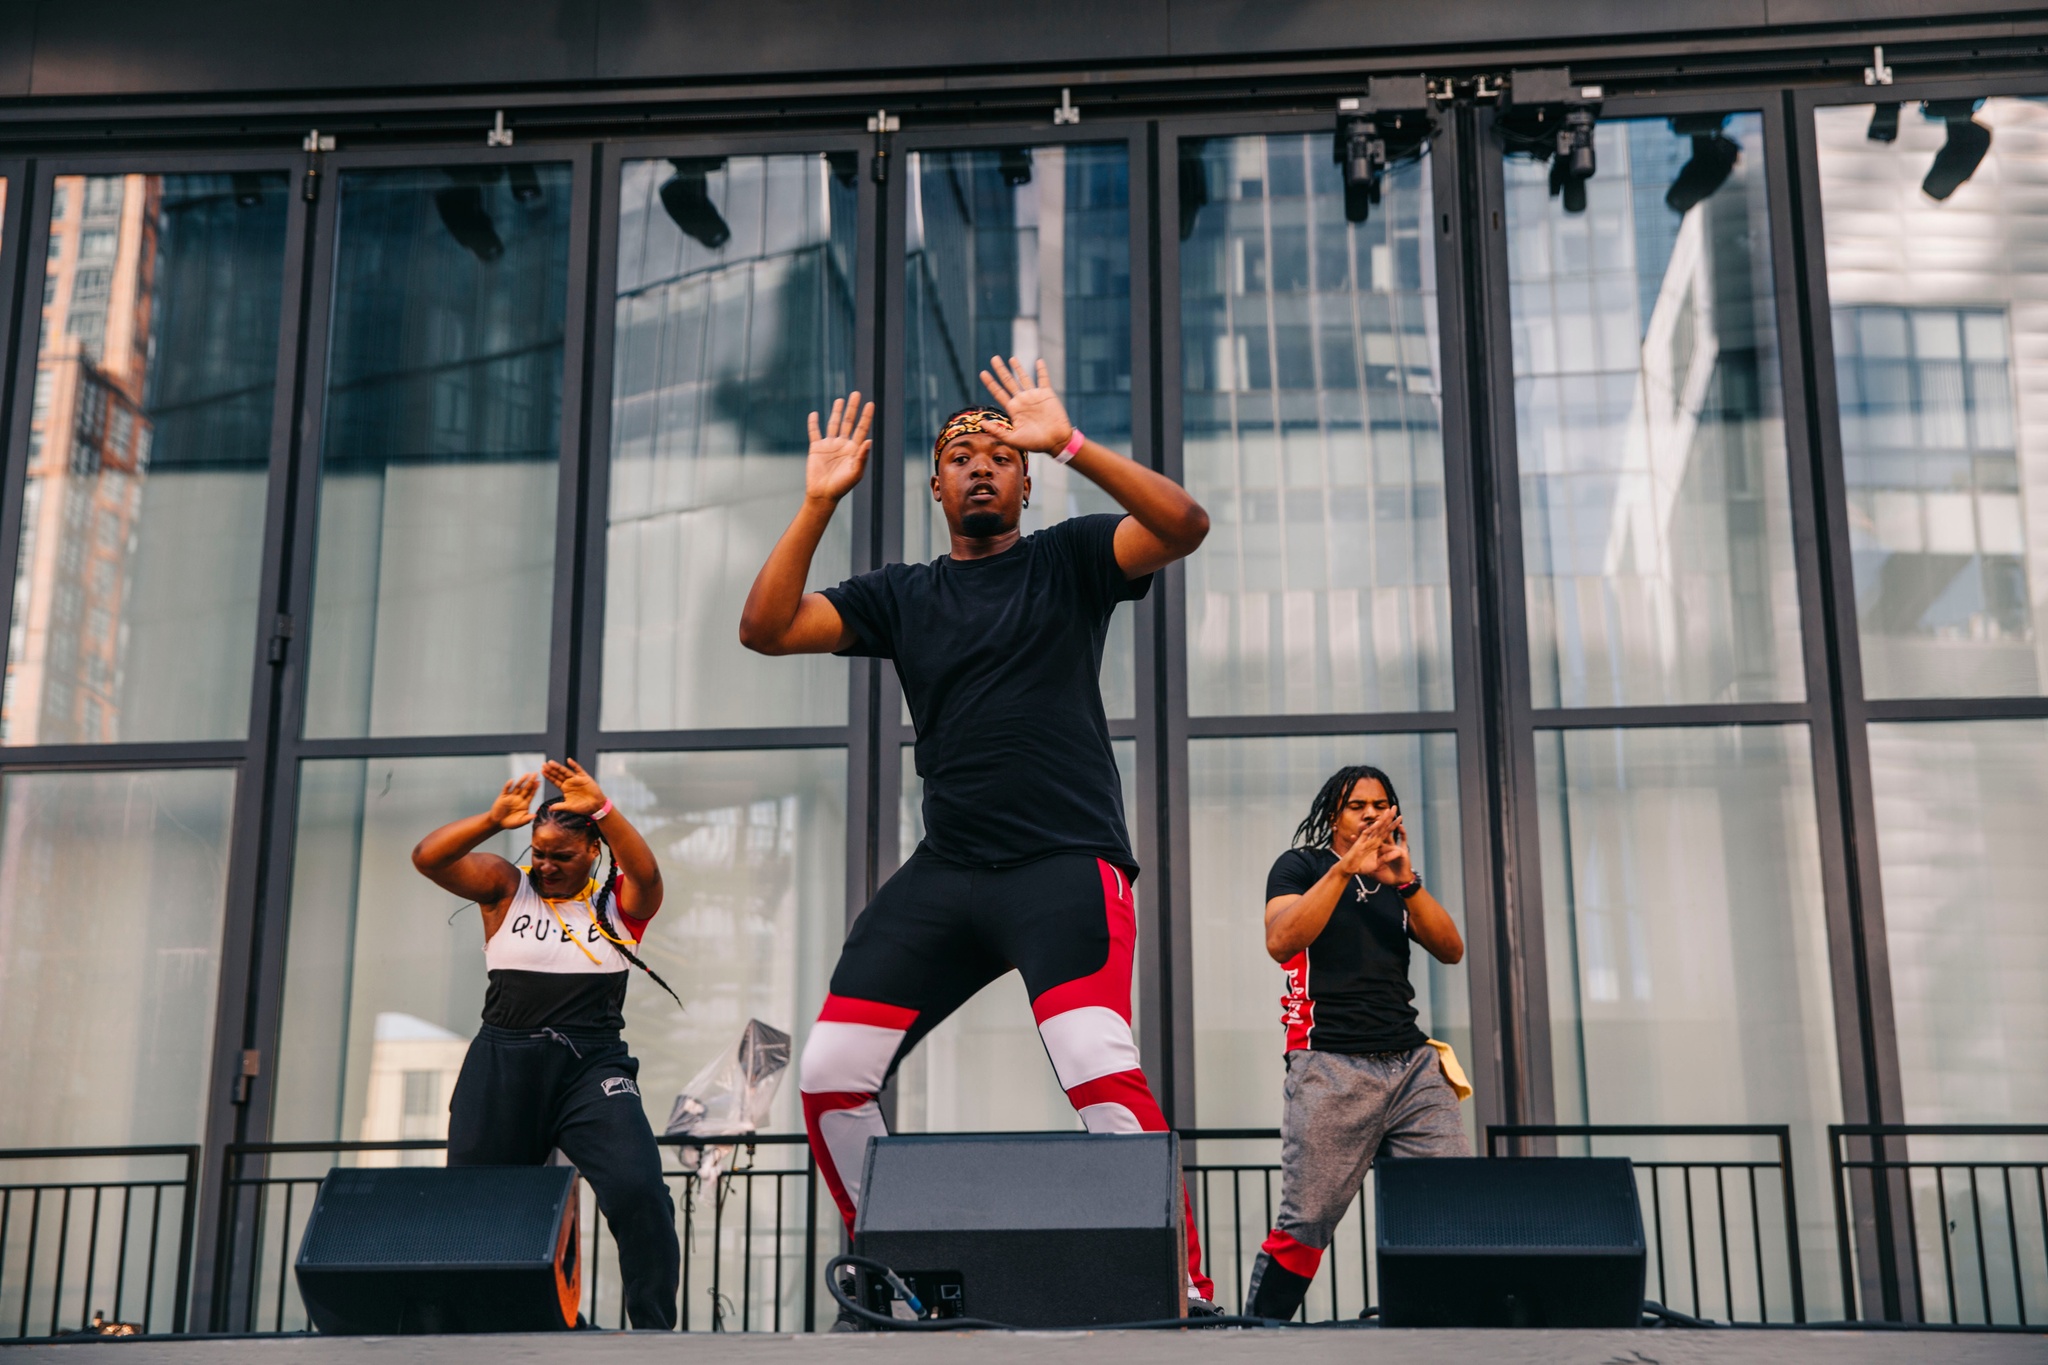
1407,890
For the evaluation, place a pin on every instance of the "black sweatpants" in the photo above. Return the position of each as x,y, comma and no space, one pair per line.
522,1093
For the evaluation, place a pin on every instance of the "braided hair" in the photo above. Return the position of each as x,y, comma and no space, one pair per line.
1317,827
583,827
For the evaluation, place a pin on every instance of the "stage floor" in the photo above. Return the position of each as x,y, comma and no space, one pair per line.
1210,1347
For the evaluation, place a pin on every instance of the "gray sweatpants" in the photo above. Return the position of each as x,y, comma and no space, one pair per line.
1341,1112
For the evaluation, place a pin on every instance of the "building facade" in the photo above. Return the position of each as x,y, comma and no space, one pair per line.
379,423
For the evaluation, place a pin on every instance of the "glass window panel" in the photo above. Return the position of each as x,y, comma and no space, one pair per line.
113,888
1687,949
1020,252
984,1069
1246,796
1312,431
734,321
753,855
1649,421
1963,864
1942,398
135,605
439,463
385,975
384,971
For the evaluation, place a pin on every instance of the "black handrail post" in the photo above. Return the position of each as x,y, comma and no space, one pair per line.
810,1241
1792,1257
1836,1138
186,1221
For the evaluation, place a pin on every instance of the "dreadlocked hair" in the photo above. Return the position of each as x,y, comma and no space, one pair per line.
1315,830
583,827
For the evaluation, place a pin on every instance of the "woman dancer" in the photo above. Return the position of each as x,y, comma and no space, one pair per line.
548,1069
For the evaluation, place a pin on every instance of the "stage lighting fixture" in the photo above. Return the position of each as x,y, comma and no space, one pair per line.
1194,184
845,166
1959,157
686,196
1015,165
1713,159
248,189
1388,126
1884,122
525,183
1548,117
469,222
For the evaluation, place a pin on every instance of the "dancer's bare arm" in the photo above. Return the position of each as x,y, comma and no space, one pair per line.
780,617
1164,524
449,858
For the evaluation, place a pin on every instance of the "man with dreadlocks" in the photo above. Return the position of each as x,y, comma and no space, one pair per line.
1025,864
1362,1079
547,1069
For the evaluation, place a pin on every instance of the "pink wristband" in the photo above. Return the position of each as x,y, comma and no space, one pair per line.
1073,447
606,810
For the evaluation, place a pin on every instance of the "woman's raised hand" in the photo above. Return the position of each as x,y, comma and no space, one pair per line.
1038,420
580,791
839,454
514,806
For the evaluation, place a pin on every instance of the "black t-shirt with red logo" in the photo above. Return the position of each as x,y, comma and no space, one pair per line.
1348,991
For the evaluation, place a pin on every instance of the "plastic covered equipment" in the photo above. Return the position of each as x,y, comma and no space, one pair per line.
730,1097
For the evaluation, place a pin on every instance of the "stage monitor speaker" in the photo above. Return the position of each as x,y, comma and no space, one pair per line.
428,1249
1509,1242
1028,1229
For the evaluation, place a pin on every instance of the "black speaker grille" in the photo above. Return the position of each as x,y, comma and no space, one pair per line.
470,1215
1561,1203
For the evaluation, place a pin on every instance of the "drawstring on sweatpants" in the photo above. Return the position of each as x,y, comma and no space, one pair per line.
561,1038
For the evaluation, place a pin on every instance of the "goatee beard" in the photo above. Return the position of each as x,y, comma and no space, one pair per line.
982,525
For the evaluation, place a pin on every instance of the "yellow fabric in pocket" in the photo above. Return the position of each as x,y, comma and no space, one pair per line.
1453,1073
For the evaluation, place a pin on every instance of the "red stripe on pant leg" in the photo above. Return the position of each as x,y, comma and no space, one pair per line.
817,1106
1110,986
1292,1255
1128,1088
845,1009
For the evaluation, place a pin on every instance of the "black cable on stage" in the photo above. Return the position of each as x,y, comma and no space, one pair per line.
888,1323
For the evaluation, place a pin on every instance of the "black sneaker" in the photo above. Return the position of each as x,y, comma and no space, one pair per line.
848,1320
1203,1308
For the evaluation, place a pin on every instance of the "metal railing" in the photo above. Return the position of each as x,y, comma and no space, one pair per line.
72,1248
1991,1214
1234,1205
1743,1259
750,1246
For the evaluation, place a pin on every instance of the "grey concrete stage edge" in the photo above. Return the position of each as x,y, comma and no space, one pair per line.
1211,1347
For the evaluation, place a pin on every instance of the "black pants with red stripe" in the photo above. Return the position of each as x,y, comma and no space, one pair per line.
939,931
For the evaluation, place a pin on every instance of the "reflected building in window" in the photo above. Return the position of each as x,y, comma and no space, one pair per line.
149,438
1935,328
735,319
1650,428
1312,431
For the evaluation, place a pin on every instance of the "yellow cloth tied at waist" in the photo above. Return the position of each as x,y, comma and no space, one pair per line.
1453,1073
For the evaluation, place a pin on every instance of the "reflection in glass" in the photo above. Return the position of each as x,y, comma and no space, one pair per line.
434,582
1313,434
1656,529
735,320
753,863
384,971
1938,340
113,887
1246,796
1687,947
1963,864
984,1069
149,449
1020,252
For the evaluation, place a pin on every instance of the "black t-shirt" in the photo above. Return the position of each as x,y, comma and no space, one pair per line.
1348,991
1001,661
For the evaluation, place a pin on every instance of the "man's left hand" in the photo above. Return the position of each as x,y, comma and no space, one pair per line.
1394,868
1038,420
